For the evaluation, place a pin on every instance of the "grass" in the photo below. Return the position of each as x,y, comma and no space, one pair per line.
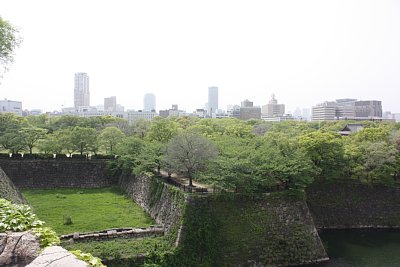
120,248
89,209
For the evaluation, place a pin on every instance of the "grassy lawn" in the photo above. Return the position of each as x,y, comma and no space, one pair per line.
89,209
120,248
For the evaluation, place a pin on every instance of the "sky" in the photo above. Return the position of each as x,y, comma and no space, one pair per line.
305,52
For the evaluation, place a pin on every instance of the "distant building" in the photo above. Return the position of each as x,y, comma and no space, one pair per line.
9,106
351,128
248,111
110,103
133,115
81,90
273,109
172,112
324,112
234,111
368,108
212,104
347,109
149,102
396,117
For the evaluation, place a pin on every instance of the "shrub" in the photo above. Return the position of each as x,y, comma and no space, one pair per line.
67,220
89,258
17,218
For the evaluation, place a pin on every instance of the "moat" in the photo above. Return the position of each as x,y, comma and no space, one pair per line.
361,248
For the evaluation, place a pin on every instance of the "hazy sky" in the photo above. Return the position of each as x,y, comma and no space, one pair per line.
305,52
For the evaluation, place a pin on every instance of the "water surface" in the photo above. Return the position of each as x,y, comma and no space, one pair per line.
361,248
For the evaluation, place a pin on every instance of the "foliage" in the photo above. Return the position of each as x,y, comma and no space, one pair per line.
47,236
84,139
8,41
188,152
31,135
91,209
162,130
17,218
110,137
89,258
326,152
122,250
20,218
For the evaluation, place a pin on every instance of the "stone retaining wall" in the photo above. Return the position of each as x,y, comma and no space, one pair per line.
163,202
115,233
9,191
347,204
57,173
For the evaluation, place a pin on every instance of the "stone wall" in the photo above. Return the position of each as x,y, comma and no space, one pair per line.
163,202
57,173
114,233
346,204
235,230
9,191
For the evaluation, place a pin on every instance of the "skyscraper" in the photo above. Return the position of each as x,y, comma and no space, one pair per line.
81,90
212,105
149,102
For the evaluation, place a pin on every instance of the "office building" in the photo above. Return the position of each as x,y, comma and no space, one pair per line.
273,109
212,104
149,102
248,111
9,106
81,90
110,103
347,109
368,108
133,115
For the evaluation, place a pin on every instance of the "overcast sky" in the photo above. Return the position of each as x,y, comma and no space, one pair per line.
305,52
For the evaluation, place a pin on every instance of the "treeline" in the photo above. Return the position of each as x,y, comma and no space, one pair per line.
227,153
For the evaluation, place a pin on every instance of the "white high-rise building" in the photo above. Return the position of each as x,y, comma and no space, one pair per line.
149,102
81,90
212,104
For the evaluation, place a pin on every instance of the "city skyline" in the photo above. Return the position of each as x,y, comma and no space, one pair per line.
304,52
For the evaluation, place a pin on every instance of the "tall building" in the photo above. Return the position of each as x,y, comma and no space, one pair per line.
212,104
110,103
273,109
149,102
81,90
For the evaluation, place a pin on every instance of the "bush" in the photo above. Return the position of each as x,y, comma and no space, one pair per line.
67,220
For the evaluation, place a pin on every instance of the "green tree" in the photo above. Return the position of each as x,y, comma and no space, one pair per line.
326,150
188,153
141,127
162,130
31,135
52,143
12,141
9,40
83,139
110,137
150,158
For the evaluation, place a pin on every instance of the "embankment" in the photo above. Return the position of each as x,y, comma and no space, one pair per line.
9,191
230,230
57,173
347,204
